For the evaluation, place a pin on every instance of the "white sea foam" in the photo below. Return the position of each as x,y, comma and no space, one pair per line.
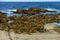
57,24
52,9
12,10
25,8
8,11
57,11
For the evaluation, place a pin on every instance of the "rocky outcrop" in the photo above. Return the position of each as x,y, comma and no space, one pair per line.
28,24
31,11
50,27
57,29
2,14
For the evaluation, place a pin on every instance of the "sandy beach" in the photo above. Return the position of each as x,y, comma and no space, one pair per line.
35,36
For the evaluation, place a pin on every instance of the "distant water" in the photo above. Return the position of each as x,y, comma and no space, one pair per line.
22,5
8,6
11,6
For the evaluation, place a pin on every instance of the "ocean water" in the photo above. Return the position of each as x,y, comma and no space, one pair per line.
22,5
12,6
7,7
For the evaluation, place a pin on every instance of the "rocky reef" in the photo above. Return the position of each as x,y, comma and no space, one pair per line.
31,11
27,24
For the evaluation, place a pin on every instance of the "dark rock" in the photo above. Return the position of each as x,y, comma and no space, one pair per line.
31,11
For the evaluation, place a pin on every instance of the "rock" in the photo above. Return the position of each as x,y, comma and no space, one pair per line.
50,27
1,27
38,10
57,29
2,14
31,11
18,11
29,24
11,21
